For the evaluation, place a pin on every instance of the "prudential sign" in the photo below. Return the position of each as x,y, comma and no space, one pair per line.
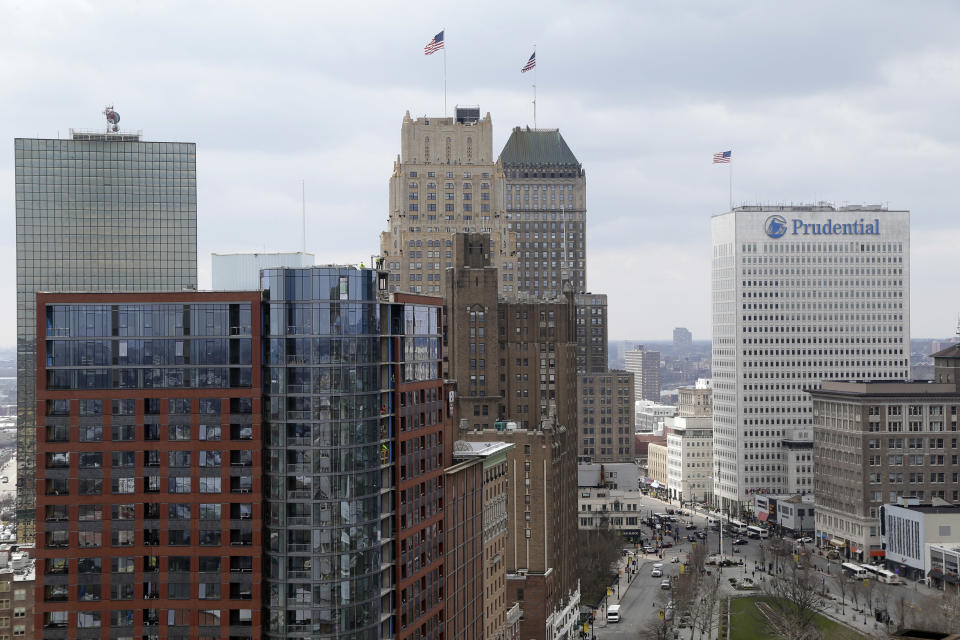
777,226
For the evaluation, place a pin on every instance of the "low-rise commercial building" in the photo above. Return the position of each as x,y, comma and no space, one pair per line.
658,475
606,509
689,458
650,416
909,531
622,476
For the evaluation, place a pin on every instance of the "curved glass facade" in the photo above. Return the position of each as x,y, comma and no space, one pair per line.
322,367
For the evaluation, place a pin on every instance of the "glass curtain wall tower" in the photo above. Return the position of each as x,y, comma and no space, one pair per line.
324,411
98,212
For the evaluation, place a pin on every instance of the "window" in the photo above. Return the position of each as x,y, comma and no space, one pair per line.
210,511
181,485
208,485
121,565
179,432
122,538
179,564
178,511
90,460
124,459
209,432
209,537
179,537
123,485
210,458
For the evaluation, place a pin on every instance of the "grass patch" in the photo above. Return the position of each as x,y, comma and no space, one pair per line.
746,624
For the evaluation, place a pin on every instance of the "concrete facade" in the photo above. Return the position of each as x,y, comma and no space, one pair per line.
690,458
882,440
910,531
695,401
658,467
800,294
645,366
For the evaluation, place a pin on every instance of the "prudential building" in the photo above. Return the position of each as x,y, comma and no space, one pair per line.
800,294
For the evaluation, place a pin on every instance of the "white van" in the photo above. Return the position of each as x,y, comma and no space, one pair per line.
613,613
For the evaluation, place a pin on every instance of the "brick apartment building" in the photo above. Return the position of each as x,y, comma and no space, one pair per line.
149,466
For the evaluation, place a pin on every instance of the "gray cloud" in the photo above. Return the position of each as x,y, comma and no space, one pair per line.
849,102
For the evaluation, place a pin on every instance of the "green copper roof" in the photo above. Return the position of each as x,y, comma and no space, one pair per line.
537,146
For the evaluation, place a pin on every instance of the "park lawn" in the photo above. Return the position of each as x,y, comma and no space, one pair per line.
745,623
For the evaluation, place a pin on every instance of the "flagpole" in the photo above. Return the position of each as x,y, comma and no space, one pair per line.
534,87
731,183
444,72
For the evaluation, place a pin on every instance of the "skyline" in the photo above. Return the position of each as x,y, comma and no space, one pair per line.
857,110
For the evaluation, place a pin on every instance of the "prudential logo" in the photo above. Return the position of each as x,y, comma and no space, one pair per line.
776,226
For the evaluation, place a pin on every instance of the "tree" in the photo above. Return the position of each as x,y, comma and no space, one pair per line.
793,605
656,630
599,550
844,585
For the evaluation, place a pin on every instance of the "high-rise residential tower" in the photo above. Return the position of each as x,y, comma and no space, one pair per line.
97,212
645,366
149,466
444,181
800,294
546,204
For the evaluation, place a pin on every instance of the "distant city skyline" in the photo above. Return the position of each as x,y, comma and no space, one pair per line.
853,111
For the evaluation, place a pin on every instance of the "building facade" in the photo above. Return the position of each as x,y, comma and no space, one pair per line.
17,597
495,524
241,271
690,459
910,532
545,196
682,338
645,366
541,565
650,416
800,294
591,332
464,562
97,212
875,442
605,416
604,509
445,181
508,356
658,465
695,401
149,465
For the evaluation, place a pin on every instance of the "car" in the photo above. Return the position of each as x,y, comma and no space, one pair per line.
701,535
692,538
691,526
666,544
665,585
805,540
739,541
670,511
649,550
656,573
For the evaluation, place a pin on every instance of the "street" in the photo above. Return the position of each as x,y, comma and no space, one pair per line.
642,599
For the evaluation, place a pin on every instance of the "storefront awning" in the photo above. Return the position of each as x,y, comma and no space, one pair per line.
656,484
836,542
762,516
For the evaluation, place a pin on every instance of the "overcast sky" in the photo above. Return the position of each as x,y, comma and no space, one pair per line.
852,102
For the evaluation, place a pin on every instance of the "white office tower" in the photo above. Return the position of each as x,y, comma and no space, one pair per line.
800,294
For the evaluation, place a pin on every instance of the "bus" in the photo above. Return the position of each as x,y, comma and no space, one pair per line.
757,532
855,570
879,573
737,527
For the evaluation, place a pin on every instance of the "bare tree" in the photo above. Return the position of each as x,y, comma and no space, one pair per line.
704,619
950,607
793,606
844,585
658,629
858,592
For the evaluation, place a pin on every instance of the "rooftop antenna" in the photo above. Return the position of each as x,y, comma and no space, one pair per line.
113,119
303,217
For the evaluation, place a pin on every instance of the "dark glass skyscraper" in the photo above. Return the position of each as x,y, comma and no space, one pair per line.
324,444
98,212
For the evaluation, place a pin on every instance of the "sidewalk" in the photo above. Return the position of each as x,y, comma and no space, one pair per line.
624,582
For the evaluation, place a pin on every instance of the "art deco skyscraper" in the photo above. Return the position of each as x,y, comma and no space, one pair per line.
444,181
97,212
546,204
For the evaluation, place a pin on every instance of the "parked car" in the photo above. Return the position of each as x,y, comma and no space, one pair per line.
665,585
670,511
691,526
692,538
739,541
701,535
649,550
805,540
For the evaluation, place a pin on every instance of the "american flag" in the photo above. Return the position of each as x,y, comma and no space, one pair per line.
531,63
722,158
434,45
